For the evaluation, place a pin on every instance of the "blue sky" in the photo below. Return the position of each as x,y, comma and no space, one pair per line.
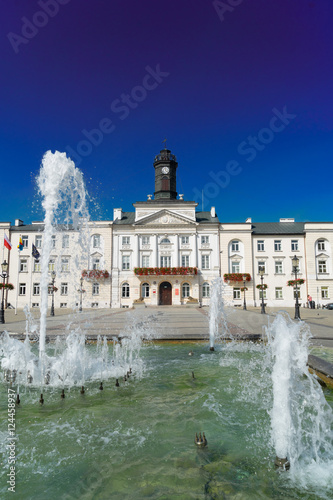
108,81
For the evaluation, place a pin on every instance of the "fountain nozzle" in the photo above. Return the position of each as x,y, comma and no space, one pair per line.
29,378
117,382
201,440
82,390
101,386
41,399
18,399
282,463
63,394
212,348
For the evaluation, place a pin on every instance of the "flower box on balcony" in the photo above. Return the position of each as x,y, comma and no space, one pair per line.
95,274
236,277
165,271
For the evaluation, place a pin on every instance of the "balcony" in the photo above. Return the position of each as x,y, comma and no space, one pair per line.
165,271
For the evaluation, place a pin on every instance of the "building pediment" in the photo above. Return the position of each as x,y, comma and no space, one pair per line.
322,255
165,218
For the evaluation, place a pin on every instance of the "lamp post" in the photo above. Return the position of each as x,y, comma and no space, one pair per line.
4,275
81,292
262,272
295,262
244,281
53,275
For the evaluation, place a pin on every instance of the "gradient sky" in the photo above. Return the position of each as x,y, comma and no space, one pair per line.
223,75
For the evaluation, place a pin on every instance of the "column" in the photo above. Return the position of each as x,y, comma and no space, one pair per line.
195,250
156,251
177,251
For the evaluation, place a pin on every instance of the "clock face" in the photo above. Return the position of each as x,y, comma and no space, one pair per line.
165,170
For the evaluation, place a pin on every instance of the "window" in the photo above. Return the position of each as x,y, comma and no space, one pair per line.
125,262
165,261
22,289
51,265
145,240
294,245
185,240
36,289
205,290
321,244
65,265
96,263
322,267
235,246
145,261
63,304
95,289
38,241
262,293
298,293
35,304
324,292
235,267
260,245
205,261
96,241
145,290
125,290
262,264
278,293
204,240
64,289
236,293
165,241
53,242
185,260
23,265
277,245
65,240
126,240
37,266
25,241
185,290
278,267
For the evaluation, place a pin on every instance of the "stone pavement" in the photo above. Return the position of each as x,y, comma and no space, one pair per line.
170,322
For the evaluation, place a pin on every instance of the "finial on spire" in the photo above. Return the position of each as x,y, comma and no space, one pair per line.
165,145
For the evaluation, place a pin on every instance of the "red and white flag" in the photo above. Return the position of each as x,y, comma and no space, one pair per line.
7,243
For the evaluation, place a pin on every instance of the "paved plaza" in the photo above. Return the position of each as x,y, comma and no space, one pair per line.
169,322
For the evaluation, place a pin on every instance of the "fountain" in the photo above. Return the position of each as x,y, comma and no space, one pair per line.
216,311
253,401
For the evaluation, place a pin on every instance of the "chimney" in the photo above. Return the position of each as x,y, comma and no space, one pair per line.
117,213
212,212
249,220
18,222
287,219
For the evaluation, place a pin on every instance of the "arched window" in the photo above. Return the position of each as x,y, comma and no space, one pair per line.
165,241
145,290
185,290
125,290
205,290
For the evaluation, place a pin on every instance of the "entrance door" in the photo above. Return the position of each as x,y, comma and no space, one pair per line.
165,294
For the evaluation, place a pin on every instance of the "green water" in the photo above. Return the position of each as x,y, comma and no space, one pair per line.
137,441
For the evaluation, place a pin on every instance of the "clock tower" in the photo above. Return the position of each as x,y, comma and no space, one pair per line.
165,165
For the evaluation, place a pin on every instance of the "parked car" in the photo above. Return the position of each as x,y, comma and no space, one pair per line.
328,306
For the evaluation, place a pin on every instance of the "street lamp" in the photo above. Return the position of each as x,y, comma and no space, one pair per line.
81,292
262,272
4,275
295,262
244,281
53,276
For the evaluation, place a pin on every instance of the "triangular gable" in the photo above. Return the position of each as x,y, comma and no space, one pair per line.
322,255
165,217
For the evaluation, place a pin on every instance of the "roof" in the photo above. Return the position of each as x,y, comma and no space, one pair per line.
201,217
278,228
39,227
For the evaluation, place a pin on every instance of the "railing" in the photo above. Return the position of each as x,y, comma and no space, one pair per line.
165,271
